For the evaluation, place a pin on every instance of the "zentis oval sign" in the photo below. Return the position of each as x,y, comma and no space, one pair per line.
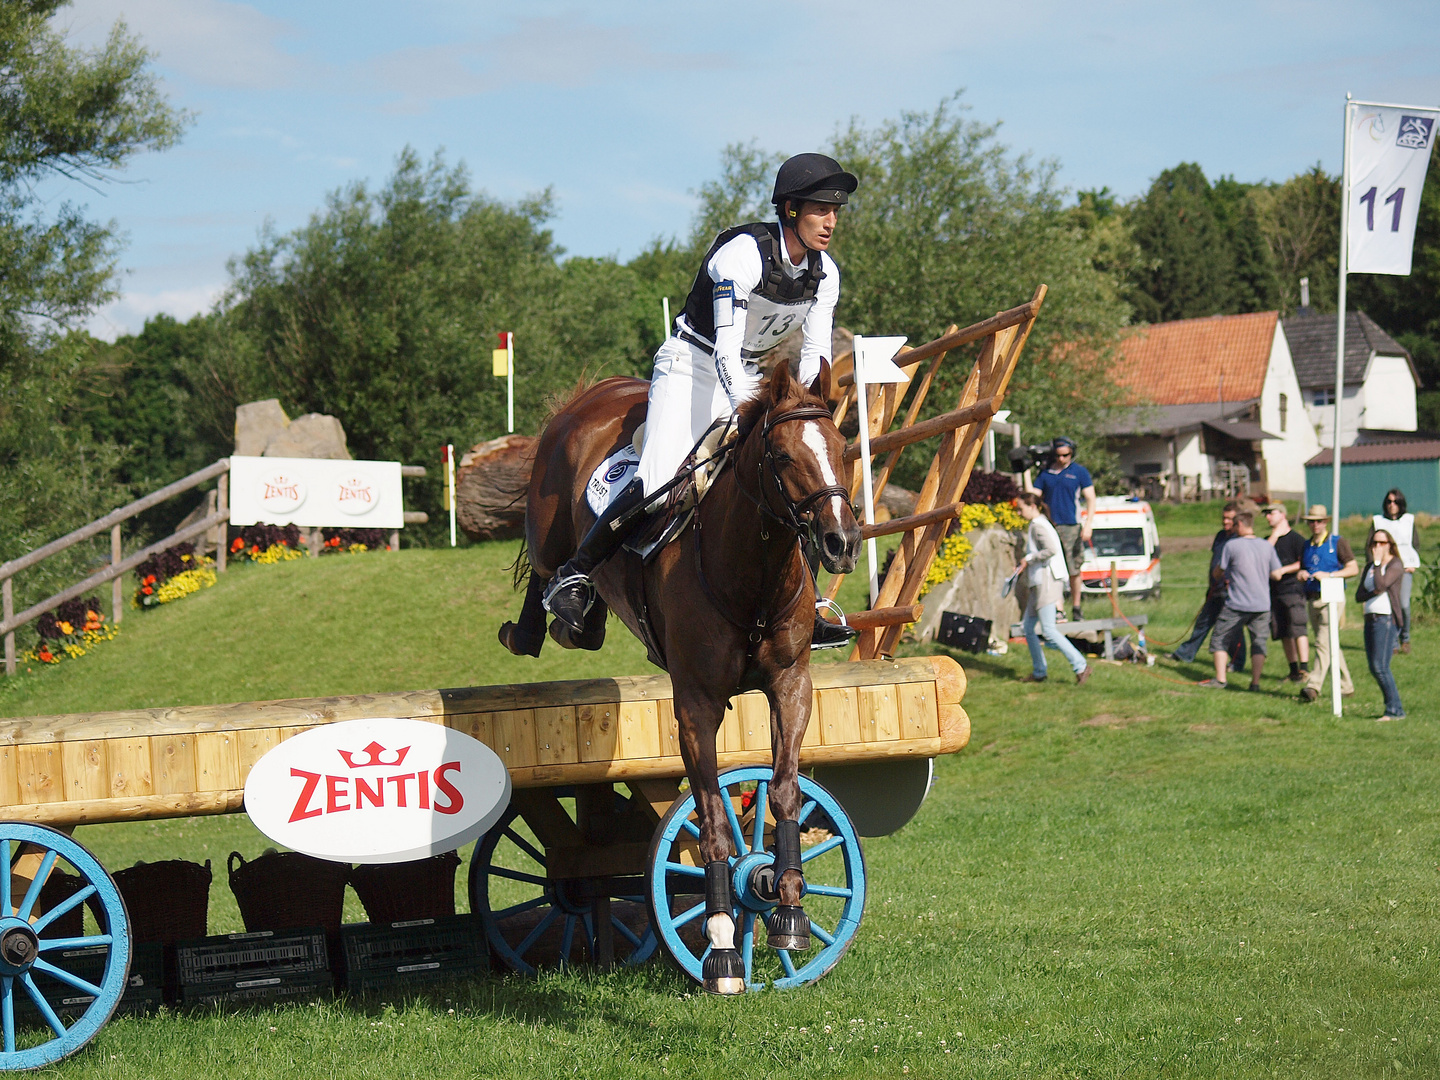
377,791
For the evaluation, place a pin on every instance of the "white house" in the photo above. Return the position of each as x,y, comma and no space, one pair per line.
1380,376
1219,409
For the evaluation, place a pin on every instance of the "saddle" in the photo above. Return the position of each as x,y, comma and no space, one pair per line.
665,519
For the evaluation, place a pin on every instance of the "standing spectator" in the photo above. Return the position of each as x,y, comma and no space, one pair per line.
1400,524
1061,486
1379,591
1045,569
1325,556
1287,593
1248,564
1214,597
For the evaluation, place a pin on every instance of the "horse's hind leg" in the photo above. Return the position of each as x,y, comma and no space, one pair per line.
525,637
788,927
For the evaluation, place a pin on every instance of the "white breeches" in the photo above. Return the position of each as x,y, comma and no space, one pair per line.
685,398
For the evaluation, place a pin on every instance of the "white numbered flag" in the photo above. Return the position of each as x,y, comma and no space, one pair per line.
1389,153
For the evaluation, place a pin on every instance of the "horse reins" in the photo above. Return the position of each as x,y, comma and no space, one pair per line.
755,630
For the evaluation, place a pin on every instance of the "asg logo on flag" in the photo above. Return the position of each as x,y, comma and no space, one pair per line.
1415,132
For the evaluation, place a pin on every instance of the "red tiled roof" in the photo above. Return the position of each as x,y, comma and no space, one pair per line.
1180,363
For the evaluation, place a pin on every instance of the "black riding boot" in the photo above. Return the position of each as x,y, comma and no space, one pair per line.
571,592
826,634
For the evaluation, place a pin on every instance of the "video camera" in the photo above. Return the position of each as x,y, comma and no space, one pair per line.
1029,457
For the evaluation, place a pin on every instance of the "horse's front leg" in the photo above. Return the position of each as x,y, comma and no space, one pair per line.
723,971
790,694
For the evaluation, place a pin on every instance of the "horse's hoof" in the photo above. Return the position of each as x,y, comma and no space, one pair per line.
788,928
723,972
590,640
518,642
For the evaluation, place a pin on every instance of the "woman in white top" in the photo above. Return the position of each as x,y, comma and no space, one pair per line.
1380,593
1400,524
1044,568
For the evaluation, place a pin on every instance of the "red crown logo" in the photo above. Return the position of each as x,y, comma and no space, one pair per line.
373,758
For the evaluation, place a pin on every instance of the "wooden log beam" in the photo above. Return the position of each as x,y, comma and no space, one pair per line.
912,521
974,332
925,429
890,616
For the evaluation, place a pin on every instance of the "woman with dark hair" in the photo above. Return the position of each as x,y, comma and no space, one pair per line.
1045,569
1380,593
1400,524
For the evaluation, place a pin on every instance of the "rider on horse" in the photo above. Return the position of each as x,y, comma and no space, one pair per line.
758,284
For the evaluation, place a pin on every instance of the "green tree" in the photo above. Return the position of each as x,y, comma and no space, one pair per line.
1300,220
1188,261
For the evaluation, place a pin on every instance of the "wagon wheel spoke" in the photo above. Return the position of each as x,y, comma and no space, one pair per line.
828,890
567,941
71,902
525,846
736,833
683,870
747,947
821,933
762,797
523,906
625,931
44,1006
787,963
7,1002
518,875
690,827
806,811
46,944
535,934
689,915
7,906
589,934
41,876
820,849
65,977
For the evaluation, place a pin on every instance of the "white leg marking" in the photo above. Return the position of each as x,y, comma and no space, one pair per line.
810,434
720,929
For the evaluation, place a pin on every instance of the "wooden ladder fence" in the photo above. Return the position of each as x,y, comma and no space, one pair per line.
962,433
217,517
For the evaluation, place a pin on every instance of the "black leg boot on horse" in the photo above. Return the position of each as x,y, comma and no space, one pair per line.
788,927
723,970
571,592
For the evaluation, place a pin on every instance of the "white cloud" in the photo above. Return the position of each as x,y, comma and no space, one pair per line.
213,42
127,315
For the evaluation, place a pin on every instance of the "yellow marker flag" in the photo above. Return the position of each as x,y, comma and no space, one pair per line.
500,362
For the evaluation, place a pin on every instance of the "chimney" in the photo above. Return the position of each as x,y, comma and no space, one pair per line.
1305,296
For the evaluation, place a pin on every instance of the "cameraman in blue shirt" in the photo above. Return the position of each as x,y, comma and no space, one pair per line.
1062,484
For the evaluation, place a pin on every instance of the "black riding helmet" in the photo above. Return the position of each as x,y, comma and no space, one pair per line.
811,178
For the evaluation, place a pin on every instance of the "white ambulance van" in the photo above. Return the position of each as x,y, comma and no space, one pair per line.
1124,536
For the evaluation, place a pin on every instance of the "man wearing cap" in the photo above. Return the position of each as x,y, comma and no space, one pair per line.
1326,556
757,285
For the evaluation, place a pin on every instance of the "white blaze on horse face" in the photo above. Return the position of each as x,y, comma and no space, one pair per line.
815,440
720,929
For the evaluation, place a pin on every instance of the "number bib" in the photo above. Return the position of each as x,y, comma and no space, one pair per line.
769,322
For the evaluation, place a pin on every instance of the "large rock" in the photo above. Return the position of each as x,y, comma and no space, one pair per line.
490,485
313,435
975,588
256,423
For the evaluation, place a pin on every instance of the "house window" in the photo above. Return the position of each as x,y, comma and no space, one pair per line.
1324,397
1284,409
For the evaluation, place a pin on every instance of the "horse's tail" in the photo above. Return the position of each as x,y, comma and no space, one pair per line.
520,570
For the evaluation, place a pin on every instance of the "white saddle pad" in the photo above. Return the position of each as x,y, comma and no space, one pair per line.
611,477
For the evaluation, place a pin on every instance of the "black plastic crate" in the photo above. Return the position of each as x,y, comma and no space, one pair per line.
143,990
388,956
964,632
259,989
232,958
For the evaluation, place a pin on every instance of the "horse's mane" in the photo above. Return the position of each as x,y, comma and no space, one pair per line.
750,412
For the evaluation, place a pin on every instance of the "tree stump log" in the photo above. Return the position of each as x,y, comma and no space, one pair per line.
490,486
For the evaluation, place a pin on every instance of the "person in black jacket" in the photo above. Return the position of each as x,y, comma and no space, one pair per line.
1379,591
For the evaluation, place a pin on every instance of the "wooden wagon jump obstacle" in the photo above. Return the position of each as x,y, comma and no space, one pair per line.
575,870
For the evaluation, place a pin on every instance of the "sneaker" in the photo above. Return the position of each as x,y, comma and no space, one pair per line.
1075,615
1253,688
1032,678
1082,676
1180,659
1297,676
1212,684
1405,646
1309,694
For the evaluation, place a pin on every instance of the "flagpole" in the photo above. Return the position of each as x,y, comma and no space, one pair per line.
1340,319
867,479
510,383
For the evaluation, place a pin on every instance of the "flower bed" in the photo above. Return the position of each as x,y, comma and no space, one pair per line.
267,544
70,631
955,550
172,575
353,541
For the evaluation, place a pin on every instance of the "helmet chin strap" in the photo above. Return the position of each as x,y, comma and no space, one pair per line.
790,219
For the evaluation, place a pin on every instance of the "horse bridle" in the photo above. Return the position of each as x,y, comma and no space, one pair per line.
793,510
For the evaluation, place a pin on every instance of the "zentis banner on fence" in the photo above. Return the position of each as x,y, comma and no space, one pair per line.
315,493
377,791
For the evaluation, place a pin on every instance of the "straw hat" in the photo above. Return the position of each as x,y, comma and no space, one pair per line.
1317,513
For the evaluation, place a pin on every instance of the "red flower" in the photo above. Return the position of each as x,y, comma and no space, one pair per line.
238,543
46,655
147,590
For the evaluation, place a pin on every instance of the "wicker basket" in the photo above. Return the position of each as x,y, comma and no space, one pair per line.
395,892
167,901
285,890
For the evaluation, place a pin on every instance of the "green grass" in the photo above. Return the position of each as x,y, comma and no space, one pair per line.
1135,878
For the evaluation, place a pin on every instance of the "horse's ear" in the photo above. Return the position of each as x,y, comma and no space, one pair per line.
780,385
821,386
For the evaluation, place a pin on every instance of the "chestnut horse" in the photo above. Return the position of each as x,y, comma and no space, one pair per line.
728,604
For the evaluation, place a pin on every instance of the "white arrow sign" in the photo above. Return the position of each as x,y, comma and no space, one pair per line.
874,363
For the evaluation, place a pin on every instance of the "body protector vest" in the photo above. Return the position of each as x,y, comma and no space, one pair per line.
775,310
1320,557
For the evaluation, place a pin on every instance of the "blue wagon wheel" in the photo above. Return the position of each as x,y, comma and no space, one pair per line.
534,922
35,961
834,881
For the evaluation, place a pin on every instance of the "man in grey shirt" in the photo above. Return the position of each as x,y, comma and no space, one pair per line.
1248,563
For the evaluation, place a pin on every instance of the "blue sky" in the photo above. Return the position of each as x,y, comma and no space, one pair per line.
623,109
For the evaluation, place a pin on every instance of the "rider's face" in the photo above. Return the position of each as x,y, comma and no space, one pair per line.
816,224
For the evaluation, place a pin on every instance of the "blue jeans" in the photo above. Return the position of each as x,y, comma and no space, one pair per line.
1407,584
1381,634
1045,616
1203,622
